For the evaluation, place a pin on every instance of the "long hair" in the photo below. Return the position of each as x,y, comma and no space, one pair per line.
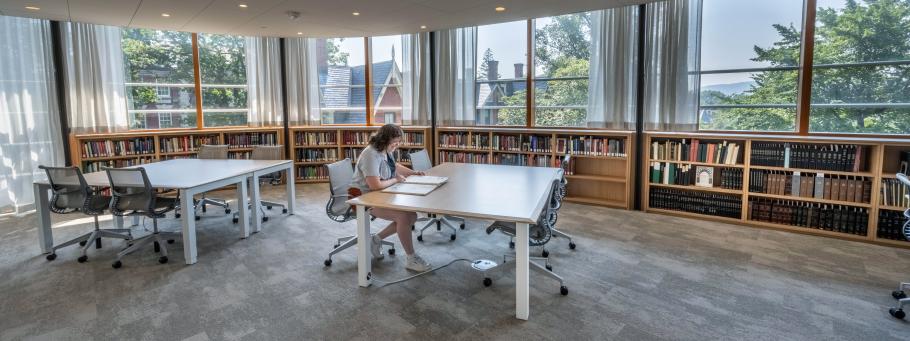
384,137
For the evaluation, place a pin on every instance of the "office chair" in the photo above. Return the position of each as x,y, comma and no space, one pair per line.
539,234
341,173
132,194
71,194
209,152
420,161
267,153
899,294
559,195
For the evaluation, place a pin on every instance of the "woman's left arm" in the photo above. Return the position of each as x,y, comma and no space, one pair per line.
405,171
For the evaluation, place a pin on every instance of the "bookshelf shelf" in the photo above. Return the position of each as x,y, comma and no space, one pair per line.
178,153
810,230
616,179
314,162
118,157
695,215
598,157
823,201
892,208
805,170
595,201
700,163
703,189
318,146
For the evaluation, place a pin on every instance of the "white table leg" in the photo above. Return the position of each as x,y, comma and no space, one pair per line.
522,288
364,257
242,204
118,221
255,203
45,233
189,227
289,188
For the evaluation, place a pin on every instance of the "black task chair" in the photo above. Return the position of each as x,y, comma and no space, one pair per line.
132,194
71,194
539,234
899,294
559,196
267,153
341,174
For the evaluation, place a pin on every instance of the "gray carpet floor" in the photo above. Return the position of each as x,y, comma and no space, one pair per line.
634,276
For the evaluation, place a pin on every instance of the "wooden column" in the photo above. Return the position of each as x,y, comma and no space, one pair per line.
197,79
805,68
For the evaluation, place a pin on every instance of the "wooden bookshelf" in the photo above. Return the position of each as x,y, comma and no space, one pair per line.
882,161
163,145
312,147
602,179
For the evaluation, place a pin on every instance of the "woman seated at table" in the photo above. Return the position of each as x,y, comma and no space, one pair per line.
376,169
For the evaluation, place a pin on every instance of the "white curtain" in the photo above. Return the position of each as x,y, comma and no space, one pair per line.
95,78
302,82
612,73
415,74
29,120
456,54
671,63
263,75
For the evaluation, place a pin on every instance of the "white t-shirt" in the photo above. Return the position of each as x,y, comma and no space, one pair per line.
372,163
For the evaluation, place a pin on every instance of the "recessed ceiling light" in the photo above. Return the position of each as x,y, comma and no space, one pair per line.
299,33
423,27
32,8
165,15
500,9
242,6
356,13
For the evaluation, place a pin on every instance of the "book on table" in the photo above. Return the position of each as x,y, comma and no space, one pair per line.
413,189
426,179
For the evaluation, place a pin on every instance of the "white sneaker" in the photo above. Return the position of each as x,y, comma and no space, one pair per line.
376,247
415,263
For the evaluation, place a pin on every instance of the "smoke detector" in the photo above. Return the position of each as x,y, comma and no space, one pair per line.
294,15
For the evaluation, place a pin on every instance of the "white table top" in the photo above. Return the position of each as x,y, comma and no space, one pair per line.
493,192
188,173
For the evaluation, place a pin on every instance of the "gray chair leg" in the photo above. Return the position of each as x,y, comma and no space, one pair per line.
346,242
161,239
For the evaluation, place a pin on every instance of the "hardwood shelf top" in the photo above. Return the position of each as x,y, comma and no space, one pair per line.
603,157
823,201
809,230
521,152
314,162
892,242
601,178
316,146
702,189
889,176
893,208
805,170
457,149
189,152
519,130
694,163
782,138
596,201
694,215
352,127
118,157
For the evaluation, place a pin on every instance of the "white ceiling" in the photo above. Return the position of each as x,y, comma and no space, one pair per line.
319,18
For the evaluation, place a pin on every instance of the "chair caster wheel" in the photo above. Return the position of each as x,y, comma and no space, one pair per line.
328,262
511,245
198,217
227,211
897,313
487,282
563,290
412,227
549,267
452,237
268,207
572,245
898,294
545,254
162,259
391,252
157,247
52,256
82,243
461,226
170,241
235,220
117,264
420,238
82,259
265,219
284,211
176,215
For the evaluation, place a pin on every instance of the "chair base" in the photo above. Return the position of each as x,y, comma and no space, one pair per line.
546,269
160,239
346,242
86,240
439,221
266,204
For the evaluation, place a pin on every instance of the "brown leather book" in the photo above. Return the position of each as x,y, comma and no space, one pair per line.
858,195
835,188
771,184
851,189
827,190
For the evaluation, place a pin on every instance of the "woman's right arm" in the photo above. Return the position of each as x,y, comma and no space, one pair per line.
375,184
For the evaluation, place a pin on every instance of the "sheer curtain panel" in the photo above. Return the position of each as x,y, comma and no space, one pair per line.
95,78
612,75
671,65
415,74
456,54
302,82
263,74
29,119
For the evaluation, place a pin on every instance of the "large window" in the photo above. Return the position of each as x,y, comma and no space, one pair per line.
749,64
501,89
861,67
562,49
385,76
342,80
159,79
222,69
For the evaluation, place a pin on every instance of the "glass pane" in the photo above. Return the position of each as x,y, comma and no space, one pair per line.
342,90
385,74
750,34
756,101
222,62
561,102
502,50
562,47
873,97
159,79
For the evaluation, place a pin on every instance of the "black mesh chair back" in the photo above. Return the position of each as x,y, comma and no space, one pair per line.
70,192
132,193
540,232
341,174
213,151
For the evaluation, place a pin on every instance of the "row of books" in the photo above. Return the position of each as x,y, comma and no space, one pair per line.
315,155
725,153
460,140
182,156
670,173
235,155
95,166
809,185
136,146
190,143
894,193
312,173
891,225
715,204
356,137
591,145
829,217
570,168
833,157
413,139
528,143
315,138
523,160
247,140
463,157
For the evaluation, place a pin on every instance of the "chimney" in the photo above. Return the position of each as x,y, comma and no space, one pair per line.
492,70
519,70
